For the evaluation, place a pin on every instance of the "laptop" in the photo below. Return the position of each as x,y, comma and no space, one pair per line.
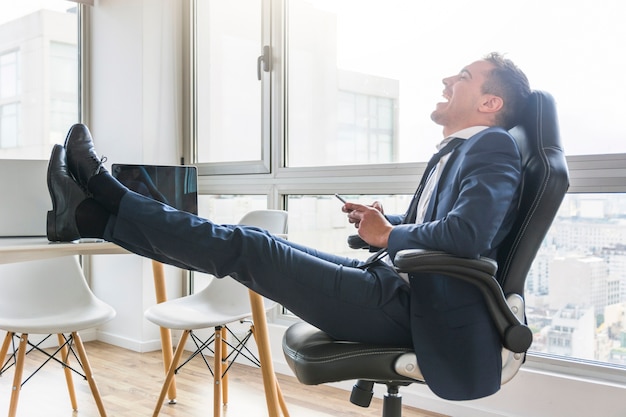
174,185
25,197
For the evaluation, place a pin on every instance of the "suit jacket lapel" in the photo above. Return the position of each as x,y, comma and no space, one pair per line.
431,209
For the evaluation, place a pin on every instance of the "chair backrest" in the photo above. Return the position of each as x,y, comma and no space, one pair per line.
40,296
545,182
274,221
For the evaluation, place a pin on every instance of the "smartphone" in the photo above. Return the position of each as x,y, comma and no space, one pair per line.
343,200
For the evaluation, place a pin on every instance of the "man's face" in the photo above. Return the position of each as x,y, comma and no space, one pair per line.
463,95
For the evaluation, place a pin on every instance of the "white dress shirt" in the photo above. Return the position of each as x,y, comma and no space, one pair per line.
435,174
433,179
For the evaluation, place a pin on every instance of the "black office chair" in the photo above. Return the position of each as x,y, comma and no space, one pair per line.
317,358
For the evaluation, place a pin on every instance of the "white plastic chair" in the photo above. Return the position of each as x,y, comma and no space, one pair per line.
48,297
222,302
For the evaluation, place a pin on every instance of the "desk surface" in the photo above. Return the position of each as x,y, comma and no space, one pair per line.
20,249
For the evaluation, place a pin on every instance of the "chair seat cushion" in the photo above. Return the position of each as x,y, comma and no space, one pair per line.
73,318
317,358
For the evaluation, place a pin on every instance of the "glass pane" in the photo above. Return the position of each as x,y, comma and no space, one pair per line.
8,75
228,91
8,126
317,220
224,209
229,209
398,51
38,76
576,289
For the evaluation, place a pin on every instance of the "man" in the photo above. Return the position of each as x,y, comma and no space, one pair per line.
465,208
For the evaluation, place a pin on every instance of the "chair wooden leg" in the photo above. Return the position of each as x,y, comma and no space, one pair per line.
265,356
87,369
224,366
68,372
279,393
5,347
281,400
217,373
17,377
166,335
169,377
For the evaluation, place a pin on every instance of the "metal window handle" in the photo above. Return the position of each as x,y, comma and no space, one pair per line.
265,60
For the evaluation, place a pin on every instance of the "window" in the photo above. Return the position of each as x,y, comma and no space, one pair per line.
9,104
402,49
39,61
8,125
575,291
9,73
365,129
228,97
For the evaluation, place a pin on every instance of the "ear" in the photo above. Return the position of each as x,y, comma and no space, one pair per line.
491,103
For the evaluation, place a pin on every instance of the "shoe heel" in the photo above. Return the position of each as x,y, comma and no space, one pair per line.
51,227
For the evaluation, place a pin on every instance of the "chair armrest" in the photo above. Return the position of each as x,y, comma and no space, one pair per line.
355,242
516,336
422,260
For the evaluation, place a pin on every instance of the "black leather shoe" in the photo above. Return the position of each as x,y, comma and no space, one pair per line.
82,160
66,195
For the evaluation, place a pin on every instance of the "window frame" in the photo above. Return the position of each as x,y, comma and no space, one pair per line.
261,166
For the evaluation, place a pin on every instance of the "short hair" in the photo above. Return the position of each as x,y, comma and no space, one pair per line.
508,82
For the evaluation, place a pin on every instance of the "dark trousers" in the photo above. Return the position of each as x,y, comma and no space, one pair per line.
328,291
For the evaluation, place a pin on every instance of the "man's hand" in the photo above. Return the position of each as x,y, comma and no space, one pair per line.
372,224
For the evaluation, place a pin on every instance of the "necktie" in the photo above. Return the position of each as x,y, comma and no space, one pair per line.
412,211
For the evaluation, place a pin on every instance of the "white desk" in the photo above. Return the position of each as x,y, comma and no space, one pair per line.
30,249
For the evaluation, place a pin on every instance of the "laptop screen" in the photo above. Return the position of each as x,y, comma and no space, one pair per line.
176,185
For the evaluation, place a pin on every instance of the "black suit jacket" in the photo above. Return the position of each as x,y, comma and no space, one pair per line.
471,211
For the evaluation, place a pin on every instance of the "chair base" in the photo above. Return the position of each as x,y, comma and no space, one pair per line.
363,391
392,403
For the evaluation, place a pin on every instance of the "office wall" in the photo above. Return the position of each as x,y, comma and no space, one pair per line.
135,117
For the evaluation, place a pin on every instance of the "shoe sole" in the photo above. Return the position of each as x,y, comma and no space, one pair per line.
51,229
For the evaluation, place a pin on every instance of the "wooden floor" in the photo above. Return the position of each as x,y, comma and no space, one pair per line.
129,383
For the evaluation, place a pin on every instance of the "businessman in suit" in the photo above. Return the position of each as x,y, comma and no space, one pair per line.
465,207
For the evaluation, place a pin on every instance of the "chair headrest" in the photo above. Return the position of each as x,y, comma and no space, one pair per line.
544,184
